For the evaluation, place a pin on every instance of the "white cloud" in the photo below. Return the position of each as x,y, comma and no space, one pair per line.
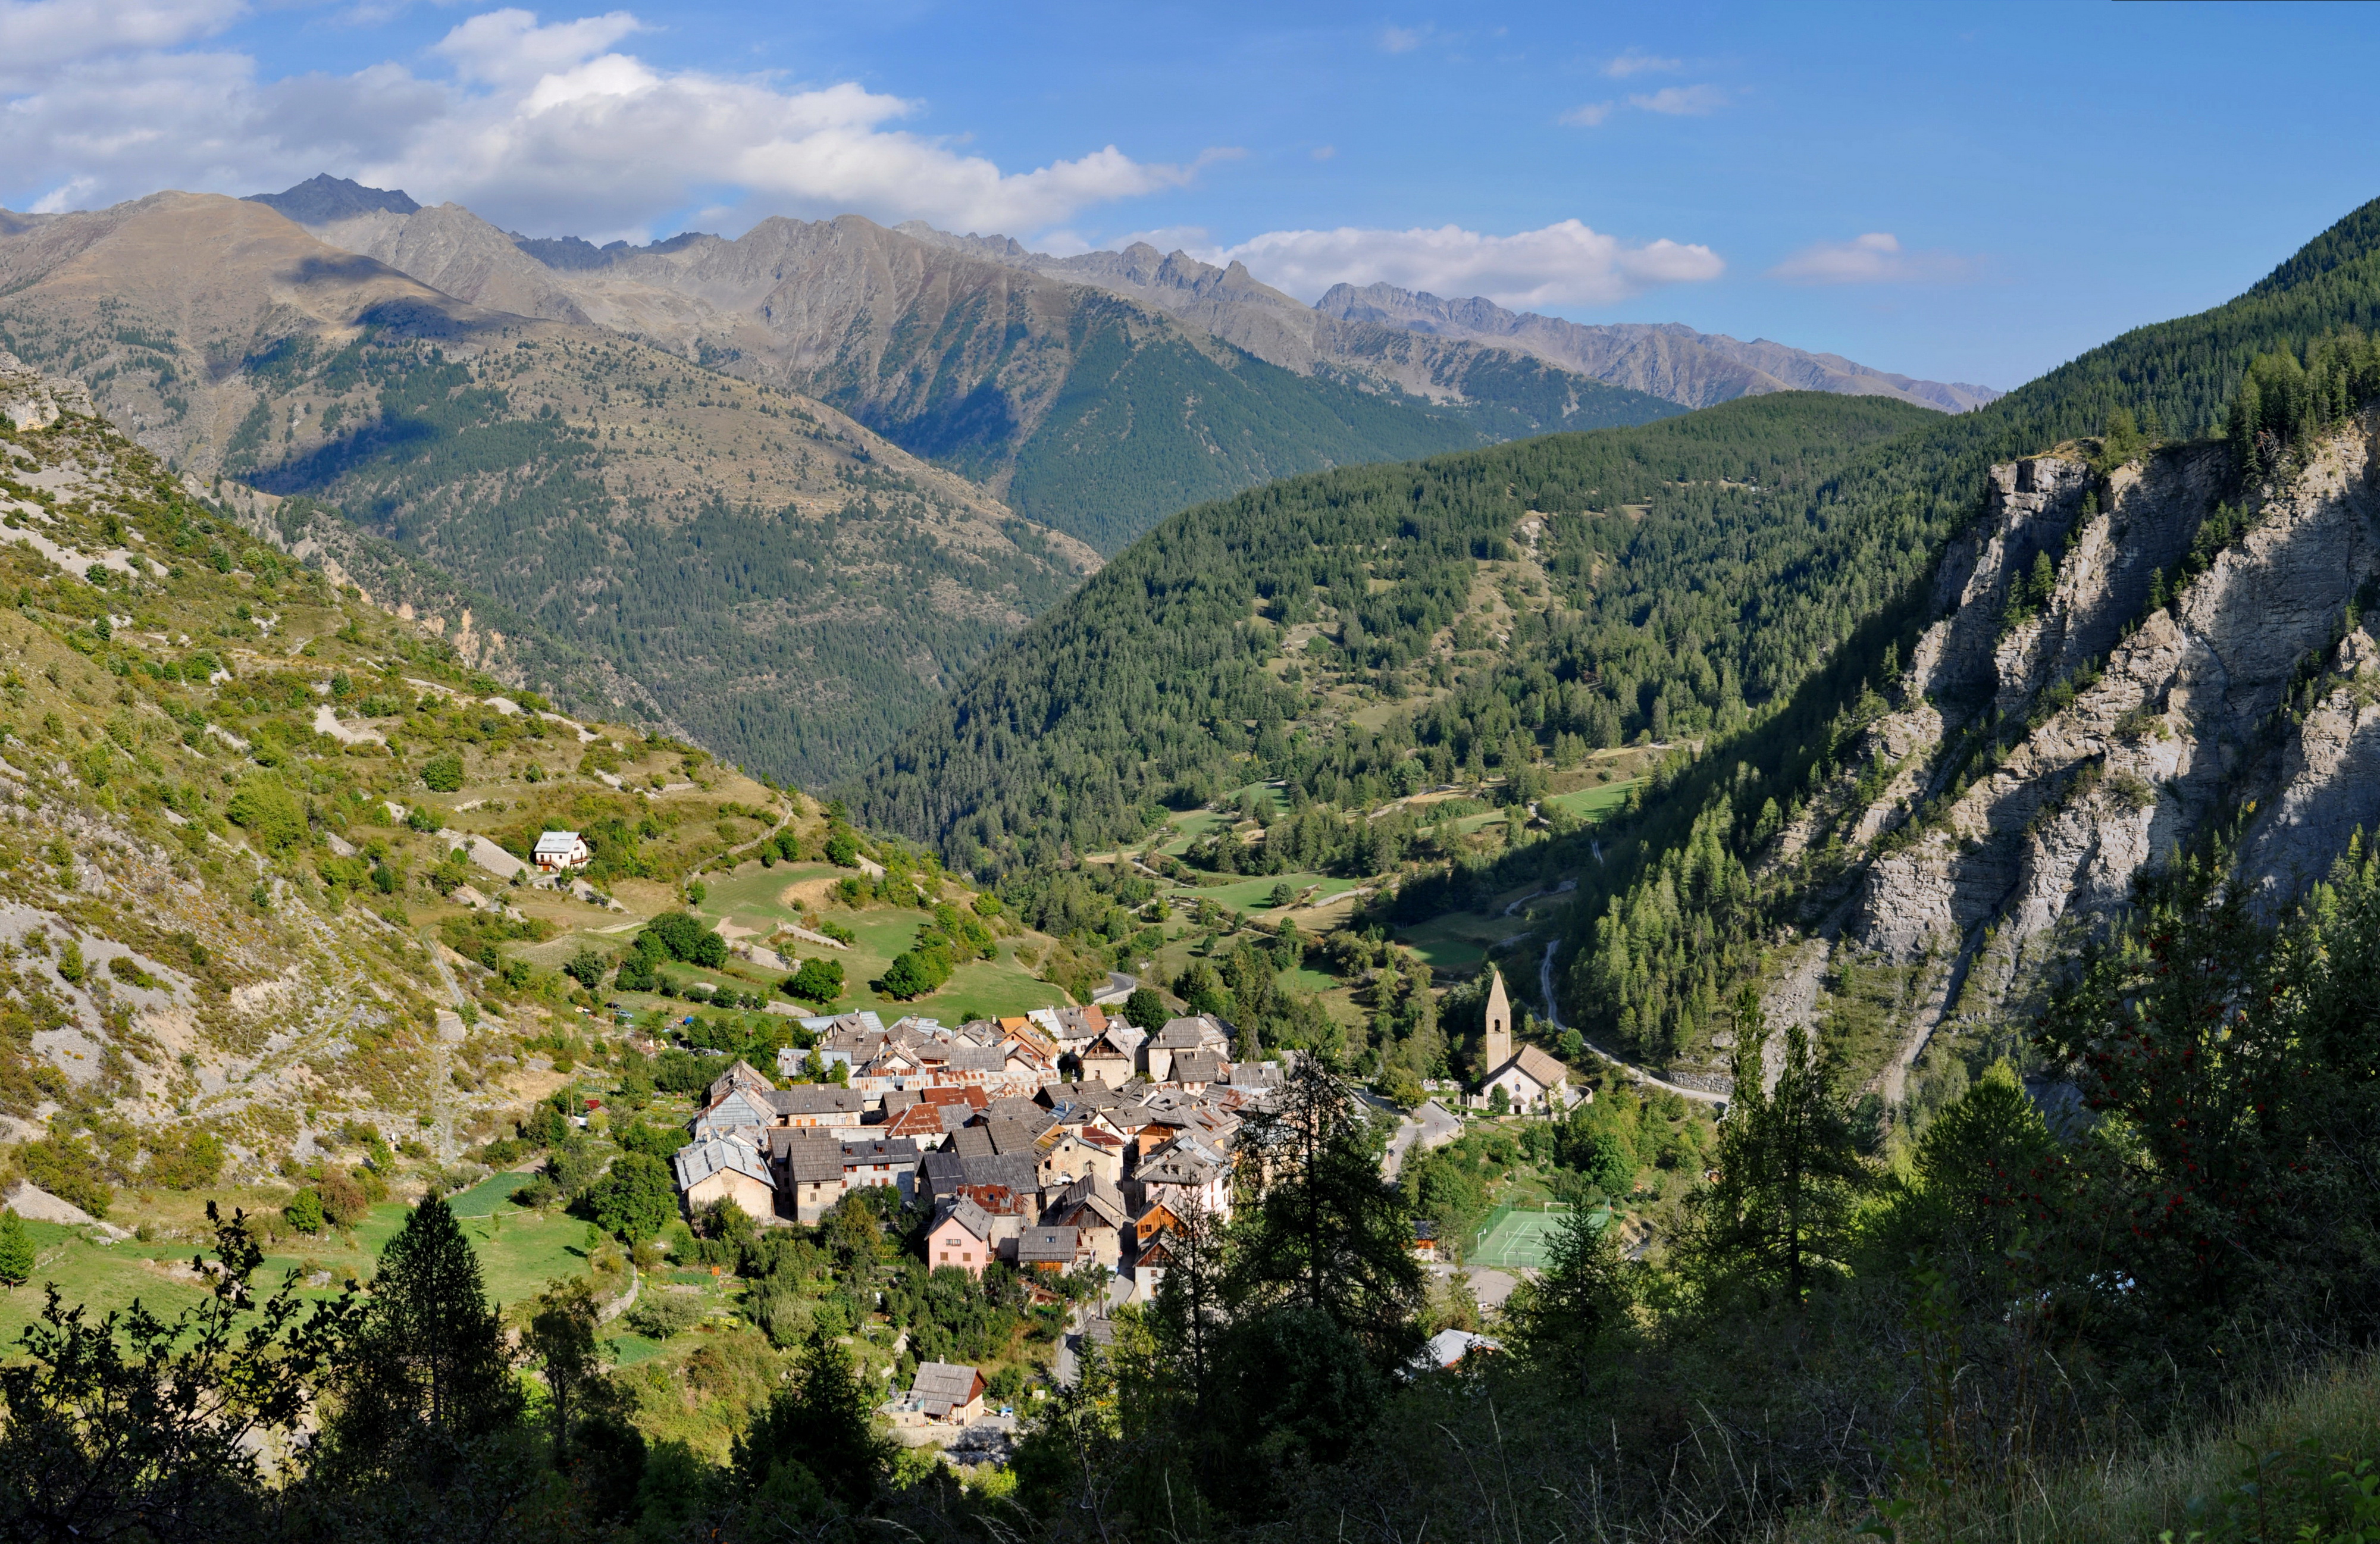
544,127
1876,258
1323,153
1402,40
1636,60
37,35
1562,264
1682,101
1675,102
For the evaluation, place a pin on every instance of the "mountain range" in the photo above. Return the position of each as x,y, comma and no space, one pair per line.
695,481
1443,349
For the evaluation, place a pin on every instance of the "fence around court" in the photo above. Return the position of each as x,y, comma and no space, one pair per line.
1516,1238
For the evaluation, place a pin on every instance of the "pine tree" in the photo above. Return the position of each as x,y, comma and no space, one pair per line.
1325,1231
16,1253
1789,1170
562,1336
826,1419
429,1373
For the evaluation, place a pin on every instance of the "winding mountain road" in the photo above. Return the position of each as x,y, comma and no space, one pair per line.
1553,1016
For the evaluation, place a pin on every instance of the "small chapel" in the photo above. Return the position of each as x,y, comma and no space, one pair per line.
1531,1079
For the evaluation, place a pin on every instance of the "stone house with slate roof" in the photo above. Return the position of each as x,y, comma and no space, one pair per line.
882,1160
810,1171
725,1169
1054,1250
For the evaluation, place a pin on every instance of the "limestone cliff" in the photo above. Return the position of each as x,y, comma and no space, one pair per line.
2118,662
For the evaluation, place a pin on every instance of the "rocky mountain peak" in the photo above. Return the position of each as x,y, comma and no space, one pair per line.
323,198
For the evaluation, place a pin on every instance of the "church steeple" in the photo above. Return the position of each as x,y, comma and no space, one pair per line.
1500,1022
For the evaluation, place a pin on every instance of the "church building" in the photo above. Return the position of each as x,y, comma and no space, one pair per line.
1531,1079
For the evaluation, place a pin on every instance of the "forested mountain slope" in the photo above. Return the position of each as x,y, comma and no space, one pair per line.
1088,412
751,567
2133,641
1365,631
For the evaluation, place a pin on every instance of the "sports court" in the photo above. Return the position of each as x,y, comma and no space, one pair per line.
1515,1238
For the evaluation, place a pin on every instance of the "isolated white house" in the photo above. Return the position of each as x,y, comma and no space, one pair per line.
559,851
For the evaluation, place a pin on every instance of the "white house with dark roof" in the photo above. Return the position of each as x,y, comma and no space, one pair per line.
559,852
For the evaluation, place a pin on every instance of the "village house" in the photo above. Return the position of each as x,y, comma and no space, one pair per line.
943,1174
1079,1027
961,1237
560,851
882,1162
725,1169
1053,1251
1185,1175
819,1107
947,1393
1110,1058
740,1073
1195,1071
1094,1208
809,1171
1448,1348
1195,1032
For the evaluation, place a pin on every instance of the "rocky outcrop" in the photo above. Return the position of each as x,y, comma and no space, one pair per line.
2047,749
32,400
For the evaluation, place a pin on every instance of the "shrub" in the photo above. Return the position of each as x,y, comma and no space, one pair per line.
304,1212
817,981
443,774
68,1169
658,1315
70,962
269,813
344,1200
183,1159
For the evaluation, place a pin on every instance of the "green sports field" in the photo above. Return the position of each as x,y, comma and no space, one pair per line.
1512,1239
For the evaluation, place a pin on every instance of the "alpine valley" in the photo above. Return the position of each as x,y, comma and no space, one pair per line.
857,882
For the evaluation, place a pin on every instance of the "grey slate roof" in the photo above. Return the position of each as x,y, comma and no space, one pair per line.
899,1151
944,1172
1197,1067
1190,1033
809,1158
940,1387
971,1217
817,1099
1048,1246
697,1161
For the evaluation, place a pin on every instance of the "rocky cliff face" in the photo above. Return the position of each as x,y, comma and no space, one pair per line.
2051,740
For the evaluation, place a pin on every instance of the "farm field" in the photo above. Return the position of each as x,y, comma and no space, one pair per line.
520,1252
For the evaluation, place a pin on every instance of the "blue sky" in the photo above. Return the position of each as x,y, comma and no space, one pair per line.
1972,193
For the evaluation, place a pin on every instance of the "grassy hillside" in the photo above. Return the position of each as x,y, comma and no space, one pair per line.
734,562
1369,632
241,936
